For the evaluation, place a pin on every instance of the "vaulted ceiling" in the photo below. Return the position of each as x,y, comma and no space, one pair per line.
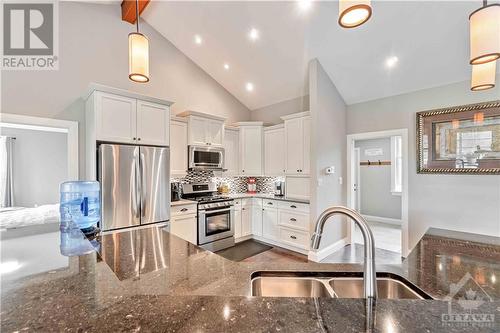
429,38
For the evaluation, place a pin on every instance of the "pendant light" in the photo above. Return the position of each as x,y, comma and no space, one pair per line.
485,34
353,13
138,53
483,76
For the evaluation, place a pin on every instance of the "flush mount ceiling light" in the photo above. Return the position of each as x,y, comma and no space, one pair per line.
226,66
198,40
483,76
253,34
391,62
304,5
353,13
249,86
138,53
485,34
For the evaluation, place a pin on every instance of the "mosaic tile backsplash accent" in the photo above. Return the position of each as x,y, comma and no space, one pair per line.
236,184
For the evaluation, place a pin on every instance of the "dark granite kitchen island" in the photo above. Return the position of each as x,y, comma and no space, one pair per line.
149,280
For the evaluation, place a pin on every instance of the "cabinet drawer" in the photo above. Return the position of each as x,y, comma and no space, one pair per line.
268,203
294,220
293,206
183,209
295,238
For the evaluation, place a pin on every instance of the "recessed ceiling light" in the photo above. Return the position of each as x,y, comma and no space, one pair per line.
304,5
391,62
253,34
226,66
198,40
249,86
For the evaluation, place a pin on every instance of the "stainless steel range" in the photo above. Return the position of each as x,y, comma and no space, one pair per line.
215,216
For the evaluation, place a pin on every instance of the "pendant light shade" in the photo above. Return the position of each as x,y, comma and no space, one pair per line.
353,13
138,57
483,76
485,34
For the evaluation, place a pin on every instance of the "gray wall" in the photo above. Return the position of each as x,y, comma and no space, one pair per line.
468,203
94,48
40,164
328,148
375,182
271,114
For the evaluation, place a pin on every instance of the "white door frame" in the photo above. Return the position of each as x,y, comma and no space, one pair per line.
51,125
351,138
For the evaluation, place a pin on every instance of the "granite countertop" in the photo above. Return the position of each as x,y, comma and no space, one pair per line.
151,280
265,196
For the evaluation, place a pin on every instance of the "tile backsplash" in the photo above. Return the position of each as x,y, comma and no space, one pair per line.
236,184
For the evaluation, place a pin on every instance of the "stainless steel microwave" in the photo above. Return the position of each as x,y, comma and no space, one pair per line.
206,158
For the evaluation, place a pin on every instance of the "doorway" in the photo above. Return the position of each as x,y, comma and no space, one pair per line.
377,187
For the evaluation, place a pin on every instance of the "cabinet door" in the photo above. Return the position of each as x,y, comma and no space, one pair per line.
178,148
231,151
115,118
274,152
298,188
185,227
238,232
215,132
251,150
153,123
270,223
257,220
306,132
246,220
197,131
294,146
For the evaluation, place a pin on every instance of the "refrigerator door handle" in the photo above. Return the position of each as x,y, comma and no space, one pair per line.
137,187
143,185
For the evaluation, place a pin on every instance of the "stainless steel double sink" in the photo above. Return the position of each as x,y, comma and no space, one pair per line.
336,285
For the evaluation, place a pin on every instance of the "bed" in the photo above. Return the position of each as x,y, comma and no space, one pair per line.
16,217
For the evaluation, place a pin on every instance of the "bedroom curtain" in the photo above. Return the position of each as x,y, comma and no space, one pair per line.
6,177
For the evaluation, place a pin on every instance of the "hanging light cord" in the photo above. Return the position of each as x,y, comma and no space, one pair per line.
137,14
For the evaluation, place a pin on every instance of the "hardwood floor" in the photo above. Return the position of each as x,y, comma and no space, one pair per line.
277,254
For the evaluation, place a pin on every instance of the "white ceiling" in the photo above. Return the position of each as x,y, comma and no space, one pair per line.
429,38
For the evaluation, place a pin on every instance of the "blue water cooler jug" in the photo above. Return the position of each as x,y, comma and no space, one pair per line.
80,204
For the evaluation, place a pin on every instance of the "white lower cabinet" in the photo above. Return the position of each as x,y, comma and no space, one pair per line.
257,217
237,219
246,220
270,228
294,237
184,222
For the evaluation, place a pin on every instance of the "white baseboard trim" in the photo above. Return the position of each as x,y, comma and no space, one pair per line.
317,256
380,219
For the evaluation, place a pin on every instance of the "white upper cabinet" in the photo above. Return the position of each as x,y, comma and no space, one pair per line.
115,118
297,143
274,151
204,129
178,148
153,123
251,149
231,151
124,119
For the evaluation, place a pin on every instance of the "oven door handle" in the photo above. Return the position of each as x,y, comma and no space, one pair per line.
216,211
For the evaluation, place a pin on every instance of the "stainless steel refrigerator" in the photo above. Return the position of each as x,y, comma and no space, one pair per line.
135,185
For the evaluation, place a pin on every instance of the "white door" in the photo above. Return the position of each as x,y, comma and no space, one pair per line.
197,131
178,148
294,143
251,150
153,123
356,186
237,224
306,153
115,118
231,151
274,152
185,227
215,132
270,223
246,220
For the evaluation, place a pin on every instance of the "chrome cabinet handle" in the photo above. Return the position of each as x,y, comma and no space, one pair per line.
293,237
138,139
270,203
184,209
134,138
293,219
293,206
